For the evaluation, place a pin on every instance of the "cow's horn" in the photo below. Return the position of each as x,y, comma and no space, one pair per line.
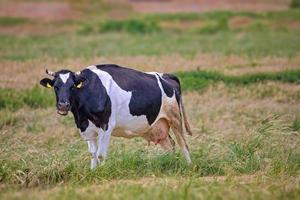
50,72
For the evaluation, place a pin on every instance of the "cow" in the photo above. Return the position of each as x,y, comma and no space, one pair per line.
109,100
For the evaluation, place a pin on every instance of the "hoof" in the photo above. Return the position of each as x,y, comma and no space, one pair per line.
94,163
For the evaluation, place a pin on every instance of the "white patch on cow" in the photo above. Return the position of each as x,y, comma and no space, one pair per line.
64,77
120,105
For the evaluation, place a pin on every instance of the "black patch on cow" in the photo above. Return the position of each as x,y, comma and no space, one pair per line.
80,117
91,103
146,94
167,87
170,83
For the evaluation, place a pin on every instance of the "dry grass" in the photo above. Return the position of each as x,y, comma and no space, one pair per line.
240,22
235,184
181,25
206,5
221,113
37,28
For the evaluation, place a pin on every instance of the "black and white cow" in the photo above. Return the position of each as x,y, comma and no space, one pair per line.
112,100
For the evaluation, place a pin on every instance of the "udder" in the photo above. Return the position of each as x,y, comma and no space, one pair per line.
159,134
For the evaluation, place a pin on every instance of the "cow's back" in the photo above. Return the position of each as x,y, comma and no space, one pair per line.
146,94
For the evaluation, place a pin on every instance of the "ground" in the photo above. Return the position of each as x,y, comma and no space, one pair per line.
240,76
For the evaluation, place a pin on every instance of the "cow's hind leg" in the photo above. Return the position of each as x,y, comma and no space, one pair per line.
176,126
167,144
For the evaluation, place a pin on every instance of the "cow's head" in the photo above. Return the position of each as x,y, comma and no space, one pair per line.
65,83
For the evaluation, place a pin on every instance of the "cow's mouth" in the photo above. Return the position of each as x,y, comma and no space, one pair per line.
62,112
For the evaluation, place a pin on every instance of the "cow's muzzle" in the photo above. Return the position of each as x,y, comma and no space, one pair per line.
63,108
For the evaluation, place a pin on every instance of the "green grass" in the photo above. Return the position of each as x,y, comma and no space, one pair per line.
130,26
295,4
219,25
12,21
197,80
252,44
35,98
85,29
296,125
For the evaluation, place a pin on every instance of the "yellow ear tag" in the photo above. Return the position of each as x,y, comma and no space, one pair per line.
48,85
79,85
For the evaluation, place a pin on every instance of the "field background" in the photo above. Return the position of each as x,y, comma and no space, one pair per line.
239,64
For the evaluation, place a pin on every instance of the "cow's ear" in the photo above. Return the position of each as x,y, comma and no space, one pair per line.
46,82
80,82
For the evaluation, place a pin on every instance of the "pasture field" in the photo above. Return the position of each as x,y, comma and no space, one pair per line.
240,75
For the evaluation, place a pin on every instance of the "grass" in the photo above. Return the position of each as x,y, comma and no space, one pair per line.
197,80
34,98
130,26
255,45
182,189
12,21
64,165
295,4
220,25
268,35
7,119
244,116
296,125
85,29
36,158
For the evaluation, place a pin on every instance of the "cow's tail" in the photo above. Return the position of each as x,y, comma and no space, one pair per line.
181,106
185,120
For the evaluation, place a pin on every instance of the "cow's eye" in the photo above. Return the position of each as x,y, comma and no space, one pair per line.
56,88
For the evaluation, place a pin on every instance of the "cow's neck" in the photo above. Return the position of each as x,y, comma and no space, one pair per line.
83,114
80,119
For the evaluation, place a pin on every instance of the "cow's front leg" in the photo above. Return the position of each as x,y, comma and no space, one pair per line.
103,144
92,145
